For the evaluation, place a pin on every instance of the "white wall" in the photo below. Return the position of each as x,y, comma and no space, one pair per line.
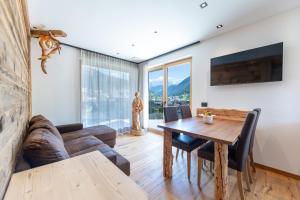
56,95
277,142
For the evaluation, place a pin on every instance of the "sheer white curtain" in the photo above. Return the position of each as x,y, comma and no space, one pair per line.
107,90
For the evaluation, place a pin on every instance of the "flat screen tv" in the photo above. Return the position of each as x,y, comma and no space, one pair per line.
258,65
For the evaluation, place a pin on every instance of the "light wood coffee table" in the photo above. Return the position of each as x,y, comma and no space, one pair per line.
89,176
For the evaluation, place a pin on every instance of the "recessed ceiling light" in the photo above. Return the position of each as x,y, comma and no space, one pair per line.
220,26
203,5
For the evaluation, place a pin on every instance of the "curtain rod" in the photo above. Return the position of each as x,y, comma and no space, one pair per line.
76,47
164,54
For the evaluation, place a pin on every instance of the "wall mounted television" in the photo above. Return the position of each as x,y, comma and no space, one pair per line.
258,65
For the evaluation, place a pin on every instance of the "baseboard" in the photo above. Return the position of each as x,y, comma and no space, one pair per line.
278,171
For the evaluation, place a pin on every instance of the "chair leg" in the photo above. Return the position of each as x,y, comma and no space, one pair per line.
200,164
182,153
249,171
240,185
177,152
252,162
189,164
247,179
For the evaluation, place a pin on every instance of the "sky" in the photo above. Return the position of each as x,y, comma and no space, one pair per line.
176,74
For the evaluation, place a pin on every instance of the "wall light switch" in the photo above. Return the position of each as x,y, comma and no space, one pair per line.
204,104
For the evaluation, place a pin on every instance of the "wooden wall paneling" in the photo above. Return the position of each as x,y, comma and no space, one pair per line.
15,83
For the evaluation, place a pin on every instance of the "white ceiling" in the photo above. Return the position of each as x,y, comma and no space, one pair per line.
112,26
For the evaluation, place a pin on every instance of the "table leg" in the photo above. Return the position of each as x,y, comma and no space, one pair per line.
167,158
221,171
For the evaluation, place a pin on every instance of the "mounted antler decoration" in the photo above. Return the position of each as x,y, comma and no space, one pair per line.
48,43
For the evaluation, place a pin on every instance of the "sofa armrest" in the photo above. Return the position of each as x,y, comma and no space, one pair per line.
69,127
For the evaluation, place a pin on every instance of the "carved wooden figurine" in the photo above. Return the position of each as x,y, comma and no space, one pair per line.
137,107
48,43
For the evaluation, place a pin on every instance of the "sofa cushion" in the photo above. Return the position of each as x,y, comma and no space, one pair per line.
102,132
45,124
110,143
123,164
36,118
74,135
69,127
103,148
43,147
80,144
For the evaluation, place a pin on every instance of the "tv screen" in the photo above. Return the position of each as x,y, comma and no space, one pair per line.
258,65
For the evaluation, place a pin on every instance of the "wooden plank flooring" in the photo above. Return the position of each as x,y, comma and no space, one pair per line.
145,154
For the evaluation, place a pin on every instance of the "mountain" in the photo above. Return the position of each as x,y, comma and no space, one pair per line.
173,90
156,90
179,89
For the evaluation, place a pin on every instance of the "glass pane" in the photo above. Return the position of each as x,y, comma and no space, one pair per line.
179,85
156,85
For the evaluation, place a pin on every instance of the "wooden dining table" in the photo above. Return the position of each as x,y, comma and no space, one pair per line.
222,132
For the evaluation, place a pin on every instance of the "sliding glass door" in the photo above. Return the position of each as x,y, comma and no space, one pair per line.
179,84
169,84
156,97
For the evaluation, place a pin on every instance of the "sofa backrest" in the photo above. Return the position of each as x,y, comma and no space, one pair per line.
44,144
36,118
43,147
46,124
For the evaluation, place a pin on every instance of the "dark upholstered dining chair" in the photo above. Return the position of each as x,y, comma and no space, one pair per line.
250,161
258,110
185,111
182,141
237,157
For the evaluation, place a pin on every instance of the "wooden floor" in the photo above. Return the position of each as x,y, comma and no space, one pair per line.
145,155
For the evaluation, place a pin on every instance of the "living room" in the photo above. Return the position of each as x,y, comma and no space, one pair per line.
149,99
